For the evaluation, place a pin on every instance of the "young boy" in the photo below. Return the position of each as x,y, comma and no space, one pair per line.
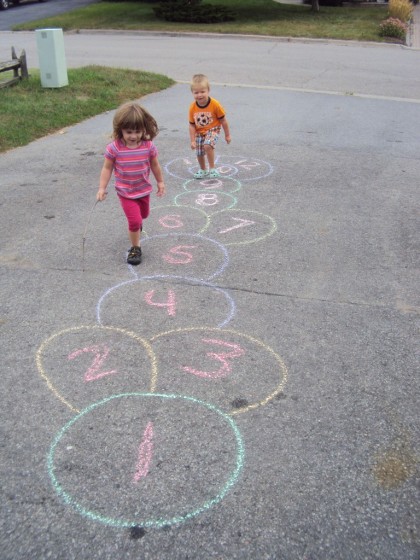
206,118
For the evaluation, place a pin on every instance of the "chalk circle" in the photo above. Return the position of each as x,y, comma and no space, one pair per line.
248,169
146,459
242,167
235,371
181,167
185,167
240,227
164,300
173,218
184,254
221,184
210,202
86,363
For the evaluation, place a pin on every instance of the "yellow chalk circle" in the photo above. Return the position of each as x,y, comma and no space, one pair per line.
240,227
233,370
84,364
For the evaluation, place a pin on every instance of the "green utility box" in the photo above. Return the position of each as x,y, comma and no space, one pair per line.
52,59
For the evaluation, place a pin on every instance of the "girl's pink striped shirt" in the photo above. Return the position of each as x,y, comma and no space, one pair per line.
132,167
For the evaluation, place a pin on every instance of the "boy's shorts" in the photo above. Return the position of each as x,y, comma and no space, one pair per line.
209,137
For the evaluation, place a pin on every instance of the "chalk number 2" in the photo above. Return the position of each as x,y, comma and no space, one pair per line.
100,352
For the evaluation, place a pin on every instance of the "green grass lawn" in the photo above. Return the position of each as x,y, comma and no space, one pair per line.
29,111
256,17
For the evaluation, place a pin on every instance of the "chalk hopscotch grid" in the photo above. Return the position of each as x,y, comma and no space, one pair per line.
231,172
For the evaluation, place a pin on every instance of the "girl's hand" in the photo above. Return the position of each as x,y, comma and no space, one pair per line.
161,189
193,145
228,139
101,195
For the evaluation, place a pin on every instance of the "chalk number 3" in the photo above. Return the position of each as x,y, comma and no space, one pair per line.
222,357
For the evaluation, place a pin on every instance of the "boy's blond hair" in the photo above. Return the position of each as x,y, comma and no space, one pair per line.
199,80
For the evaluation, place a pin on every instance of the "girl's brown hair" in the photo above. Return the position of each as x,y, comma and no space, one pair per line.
133,116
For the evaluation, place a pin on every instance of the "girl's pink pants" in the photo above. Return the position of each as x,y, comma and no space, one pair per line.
136,210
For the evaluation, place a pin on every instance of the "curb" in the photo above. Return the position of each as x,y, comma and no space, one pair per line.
281,39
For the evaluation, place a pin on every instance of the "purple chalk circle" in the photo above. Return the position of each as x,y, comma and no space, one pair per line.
165,300
248,169
183,254
221,184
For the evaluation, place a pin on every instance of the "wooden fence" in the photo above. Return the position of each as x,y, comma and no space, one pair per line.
19,67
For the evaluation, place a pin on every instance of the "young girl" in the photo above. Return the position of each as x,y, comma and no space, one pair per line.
131,156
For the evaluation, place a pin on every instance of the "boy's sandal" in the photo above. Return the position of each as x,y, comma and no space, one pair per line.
214,174
201,174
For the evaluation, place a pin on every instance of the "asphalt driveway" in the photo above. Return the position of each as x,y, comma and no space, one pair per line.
251,389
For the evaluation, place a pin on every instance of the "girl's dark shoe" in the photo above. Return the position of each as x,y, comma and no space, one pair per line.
134,256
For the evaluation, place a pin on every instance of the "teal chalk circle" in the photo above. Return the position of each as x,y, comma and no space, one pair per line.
99,465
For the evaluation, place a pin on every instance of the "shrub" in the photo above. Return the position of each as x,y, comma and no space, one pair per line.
393,27
400,9
182,11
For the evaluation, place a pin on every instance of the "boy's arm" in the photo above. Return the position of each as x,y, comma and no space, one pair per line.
192,135
157,172
225,126
104,178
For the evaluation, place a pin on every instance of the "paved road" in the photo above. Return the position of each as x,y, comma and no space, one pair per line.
29,11
367,69
266,346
